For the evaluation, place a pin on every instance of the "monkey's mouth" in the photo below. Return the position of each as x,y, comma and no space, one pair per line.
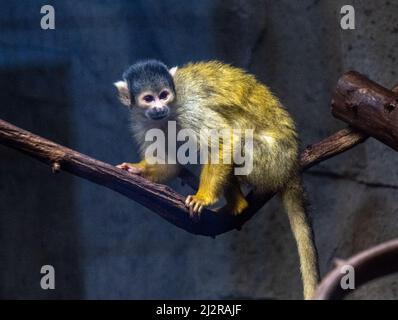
157,115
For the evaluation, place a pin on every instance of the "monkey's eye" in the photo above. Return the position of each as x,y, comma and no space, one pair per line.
163,95
148,98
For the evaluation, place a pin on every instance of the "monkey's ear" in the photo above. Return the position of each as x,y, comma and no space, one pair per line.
123,90
173,71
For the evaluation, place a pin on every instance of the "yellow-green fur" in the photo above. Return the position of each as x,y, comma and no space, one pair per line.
216,95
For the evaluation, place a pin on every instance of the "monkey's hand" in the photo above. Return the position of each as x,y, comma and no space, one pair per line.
135,168
197,202
158,173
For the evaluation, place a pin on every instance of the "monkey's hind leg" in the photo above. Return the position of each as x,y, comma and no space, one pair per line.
213,180
236,201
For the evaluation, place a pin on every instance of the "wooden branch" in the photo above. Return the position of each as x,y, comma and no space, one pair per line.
368,265
367,106
159,198
337,143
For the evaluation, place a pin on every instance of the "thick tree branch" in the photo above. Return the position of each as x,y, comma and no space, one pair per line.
367,106
159,198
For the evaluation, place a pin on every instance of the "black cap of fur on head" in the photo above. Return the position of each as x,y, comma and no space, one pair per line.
148,75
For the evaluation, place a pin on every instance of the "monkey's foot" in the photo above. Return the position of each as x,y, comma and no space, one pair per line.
235,208
135,168
196,203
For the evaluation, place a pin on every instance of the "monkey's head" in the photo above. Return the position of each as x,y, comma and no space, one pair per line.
149,86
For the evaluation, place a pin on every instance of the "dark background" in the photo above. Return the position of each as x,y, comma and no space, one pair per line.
58,83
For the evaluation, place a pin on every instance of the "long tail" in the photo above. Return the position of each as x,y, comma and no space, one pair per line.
294,202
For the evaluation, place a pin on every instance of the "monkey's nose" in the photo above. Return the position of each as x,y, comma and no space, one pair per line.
157,113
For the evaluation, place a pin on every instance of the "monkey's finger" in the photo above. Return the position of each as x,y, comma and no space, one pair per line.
188,200
191,213
122,166
194,215
200,209
196,207
134,170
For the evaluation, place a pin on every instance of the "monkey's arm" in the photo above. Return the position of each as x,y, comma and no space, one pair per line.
213,179
159,173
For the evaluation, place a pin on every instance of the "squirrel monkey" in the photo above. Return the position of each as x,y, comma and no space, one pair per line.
214,95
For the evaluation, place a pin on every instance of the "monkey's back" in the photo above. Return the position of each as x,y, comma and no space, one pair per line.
232,94
214,95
